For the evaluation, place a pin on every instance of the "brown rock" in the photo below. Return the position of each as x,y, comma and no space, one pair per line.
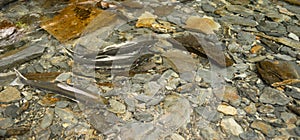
227,110
277,71
230,95
10,94
264,128
146,20
296,2
205,25
251,109
71,22
255,49
197,44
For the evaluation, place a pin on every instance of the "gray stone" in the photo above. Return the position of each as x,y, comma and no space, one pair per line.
188,76
284,57
293,92
186,88
38,68
10,94
288,118
20,57
230,126
273,96
209,134
63,77
208,8
240,10
6,123
47,119
250,134
239,21
272,28
66,115
151,88
294,29
141,78
116,107
210,114
56,129
11,111
143,116
62,104
246,38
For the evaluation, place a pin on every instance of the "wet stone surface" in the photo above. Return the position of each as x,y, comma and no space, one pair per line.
157,69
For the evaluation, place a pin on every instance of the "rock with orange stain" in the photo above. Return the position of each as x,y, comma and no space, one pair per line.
255,49
264,128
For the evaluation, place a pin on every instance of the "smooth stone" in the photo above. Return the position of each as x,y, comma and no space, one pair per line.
63,77
10,94
293,36
230,126
273,96
264,128
227,110
47,119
